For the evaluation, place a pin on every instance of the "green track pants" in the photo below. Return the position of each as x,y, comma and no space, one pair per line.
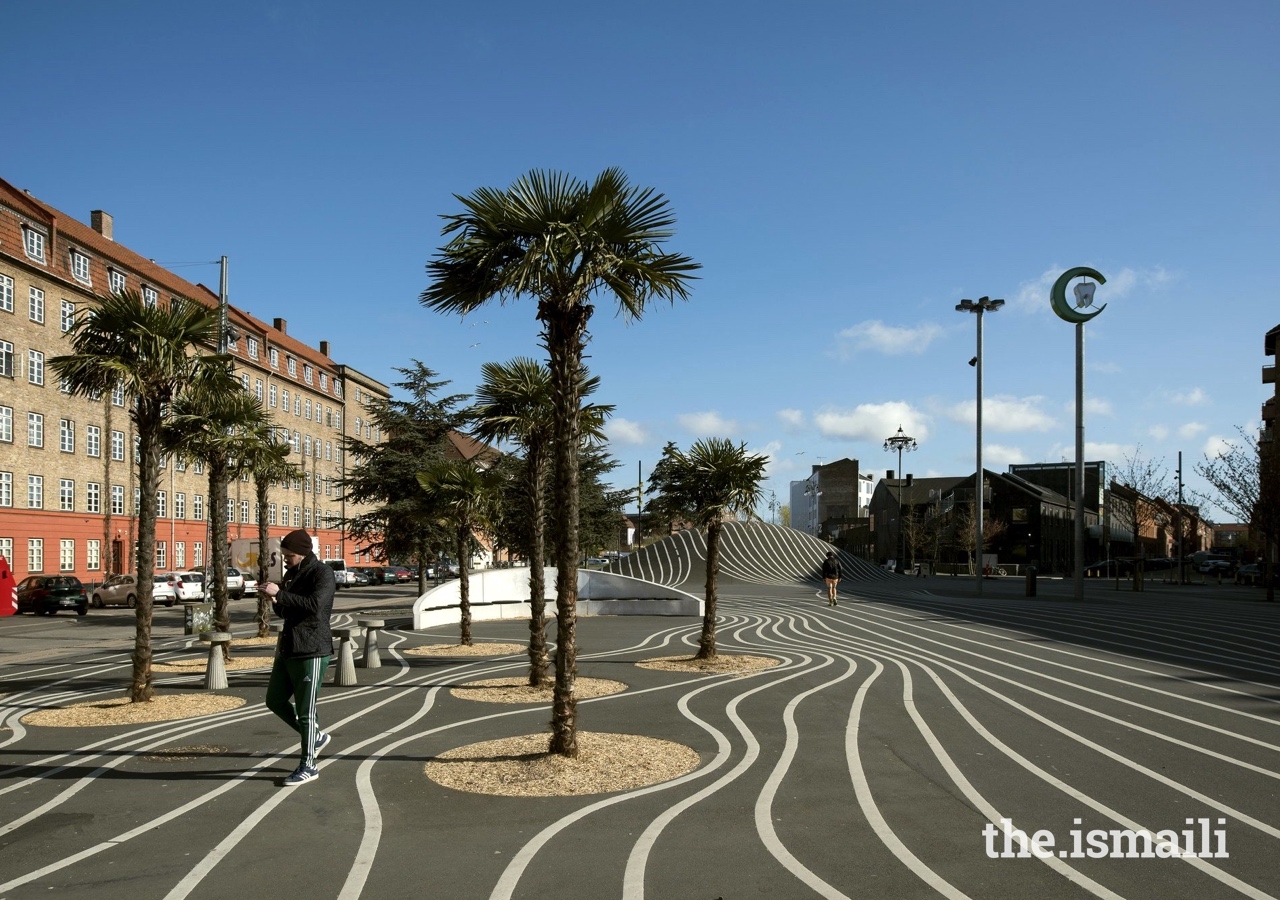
298,680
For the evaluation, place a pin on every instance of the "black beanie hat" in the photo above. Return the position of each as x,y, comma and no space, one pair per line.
298,542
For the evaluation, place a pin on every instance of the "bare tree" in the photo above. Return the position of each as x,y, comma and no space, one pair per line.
1148,480
1244,479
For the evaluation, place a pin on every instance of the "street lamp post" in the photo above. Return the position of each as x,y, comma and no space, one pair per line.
980,306
900,442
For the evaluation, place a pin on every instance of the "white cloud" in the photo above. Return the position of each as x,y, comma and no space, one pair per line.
1124,281
1159,432
707,424
1105,368
1033,296
1190,430
624,431
891,340
793,419
872,422
995,456
1217,444
1193,397
1005,413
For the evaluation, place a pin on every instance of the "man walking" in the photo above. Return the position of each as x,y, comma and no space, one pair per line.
304,600
831,575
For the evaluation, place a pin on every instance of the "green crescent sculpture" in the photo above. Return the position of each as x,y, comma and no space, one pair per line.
1058,296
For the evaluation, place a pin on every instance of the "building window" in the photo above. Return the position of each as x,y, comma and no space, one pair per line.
197,507
93,555
116,280
297,405
117,446
68,316
6,424
117,394
66,495
359,426
271,514
35,367
284,400
257,389
117,500
293,366
150,297
33,243
179,506
324,382
271,396
275,358
93,440
162,504
35,430
6,359
180,464
337,419
244,512
306,446
180,554
137,449
66,436
35,492
66,555
64,384
6,293
306,409
199,467
80,267
137,501
35,554
328,451
306,517
35,305
162,555
197,553
253,347
297,517
307,374
93,497
6,550
244,381
6,489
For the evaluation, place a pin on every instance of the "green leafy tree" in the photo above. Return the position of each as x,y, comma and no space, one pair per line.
513,403
267,460
563,243
152,352
400,523
215,420
465,498
714,480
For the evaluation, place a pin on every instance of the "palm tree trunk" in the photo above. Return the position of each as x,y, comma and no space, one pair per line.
707,645
464,586
215,573
260,486
536,460
563,335
149,415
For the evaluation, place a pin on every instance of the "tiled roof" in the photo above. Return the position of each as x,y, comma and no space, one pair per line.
463,447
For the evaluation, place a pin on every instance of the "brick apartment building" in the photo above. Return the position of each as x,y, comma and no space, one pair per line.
68,481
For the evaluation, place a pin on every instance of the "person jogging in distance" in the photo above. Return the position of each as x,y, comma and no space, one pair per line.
831,575
304,599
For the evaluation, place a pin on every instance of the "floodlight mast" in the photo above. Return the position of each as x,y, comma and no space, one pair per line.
983,304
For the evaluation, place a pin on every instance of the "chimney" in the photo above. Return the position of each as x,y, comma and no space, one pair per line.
324,347
101,222
888,474
279,325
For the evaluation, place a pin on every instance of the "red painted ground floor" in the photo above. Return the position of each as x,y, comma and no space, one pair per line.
90,547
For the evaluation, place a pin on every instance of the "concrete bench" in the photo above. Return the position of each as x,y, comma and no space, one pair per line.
215,673
371,659
346,674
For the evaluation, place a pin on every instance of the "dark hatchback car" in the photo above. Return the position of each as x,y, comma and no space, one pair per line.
47,595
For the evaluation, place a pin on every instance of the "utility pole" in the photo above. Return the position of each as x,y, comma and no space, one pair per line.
224,331
639,499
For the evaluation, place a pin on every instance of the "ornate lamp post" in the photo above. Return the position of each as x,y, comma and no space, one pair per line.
900,442
1084,300
982,305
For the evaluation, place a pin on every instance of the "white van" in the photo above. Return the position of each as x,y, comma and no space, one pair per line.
341,575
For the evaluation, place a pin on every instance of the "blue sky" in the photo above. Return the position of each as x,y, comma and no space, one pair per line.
845,173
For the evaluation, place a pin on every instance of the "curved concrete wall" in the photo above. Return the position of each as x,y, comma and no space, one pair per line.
504,594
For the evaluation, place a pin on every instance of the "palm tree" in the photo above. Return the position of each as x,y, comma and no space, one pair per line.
561,242
514,404
267,459
713,480
152,352
466,499
215,420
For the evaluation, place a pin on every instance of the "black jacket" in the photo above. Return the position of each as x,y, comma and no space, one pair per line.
305,602
831,568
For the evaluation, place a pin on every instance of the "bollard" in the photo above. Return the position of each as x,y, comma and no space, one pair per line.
215,673
371,658
1031,581
346,656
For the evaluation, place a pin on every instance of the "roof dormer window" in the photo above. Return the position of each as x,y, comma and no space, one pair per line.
307,374
33,242
150,297
275,358
253,348
293,367
115,280
80,267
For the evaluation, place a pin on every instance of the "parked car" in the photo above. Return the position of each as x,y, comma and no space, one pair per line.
1216,566
1250,574
342,576
187,587
235,581
47,595
382,575
401,574
250,585
122,590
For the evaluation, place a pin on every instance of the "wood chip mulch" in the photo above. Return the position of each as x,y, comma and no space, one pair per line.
191,666
522,767
490,649
517,690
722,664
268,641
184,754
119,711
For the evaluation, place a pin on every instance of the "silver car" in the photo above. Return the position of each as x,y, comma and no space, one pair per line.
122,590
